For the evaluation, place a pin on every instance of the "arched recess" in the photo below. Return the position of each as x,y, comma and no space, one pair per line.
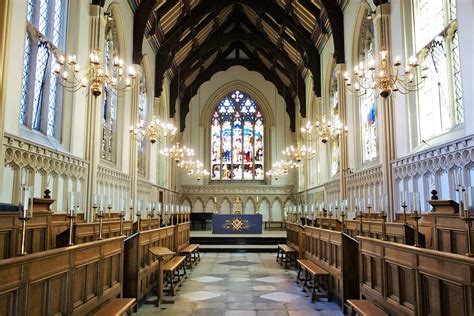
225,206
249,207
198,206
217,96
277,210
209,206
265,209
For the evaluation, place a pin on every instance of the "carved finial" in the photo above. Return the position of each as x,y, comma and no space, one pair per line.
47,193
434,194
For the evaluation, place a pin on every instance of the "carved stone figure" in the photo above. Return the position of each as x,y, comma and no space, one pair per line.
237,207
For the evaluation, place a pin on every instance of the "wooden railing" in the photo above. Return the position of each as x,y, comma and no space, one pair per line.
67,281
407,280
87,232
395,232
336,253
140,266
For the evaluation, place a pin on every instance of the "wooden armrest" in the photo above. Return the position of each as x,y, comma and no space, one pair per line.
116,306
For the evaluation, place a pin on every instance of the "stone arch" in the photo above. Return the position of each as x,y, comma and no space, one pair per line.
225,206
252,91
277,210
197,206
249,206
265,209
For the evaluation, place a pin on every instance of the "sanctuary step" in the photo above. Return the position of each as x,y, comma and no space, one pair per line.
266,242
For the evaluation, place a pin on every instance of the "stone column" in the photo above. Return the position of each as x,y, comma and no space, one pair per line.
5,19
382,30
97,27
133,165
343,159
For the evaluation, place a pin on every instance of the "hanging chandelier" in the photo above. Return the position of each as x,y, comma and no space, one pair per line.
95,77
177,153
385,77
298,153
158,129
200,172
325,130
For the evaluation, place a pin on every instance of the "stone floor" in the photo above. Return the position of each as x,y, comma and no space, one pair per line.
241,284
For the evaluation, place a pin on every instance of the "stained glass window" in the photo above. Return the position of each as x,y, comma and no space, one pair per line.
142,107
440,100
40,96
367,105
237,139
109,113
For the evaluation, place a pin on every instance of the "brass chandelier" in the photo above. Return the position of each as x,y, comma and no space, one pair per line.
298,153
158,129
325,130
385,77
177,153
95,77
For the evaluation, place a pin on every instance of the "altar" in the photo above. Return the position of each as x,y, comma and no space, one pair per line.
237,223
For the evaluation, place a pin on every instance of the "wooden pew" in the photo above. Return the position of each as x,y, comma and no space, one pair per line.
182,236
59,223
335,252
396,232
87,232
74,280
141,268
147,224
38,230
448,230
295,238
406,280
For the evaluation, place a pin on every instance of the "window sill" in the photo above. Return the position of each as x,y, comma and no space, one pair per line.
41,139
450,135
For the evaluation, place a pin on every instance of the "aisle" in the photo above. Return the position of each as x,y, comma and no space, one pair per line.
241,284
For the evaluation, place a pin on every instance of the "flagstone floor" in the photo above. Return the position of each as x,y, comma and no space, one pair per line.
241,284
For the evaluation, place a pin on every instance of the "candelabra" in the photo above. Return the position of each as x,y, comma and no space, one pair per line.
109,211
139,220
200,172
100,215
95,77
71,215
343,224
361,222
330,220
465,215
384,226
25,213
122,217
385,77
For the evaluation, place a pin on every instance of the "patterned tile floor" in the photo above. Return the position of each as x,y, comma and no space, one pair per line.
241,284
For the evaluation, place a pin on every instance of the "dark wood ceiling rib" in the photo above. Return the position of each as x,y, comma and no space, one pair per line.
197,36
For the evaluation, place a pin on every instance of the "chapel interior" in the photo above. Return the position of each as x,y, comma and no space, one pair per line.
236,157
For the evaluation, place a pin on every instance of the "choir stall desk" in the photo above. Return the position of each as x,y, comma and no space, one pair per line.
160,253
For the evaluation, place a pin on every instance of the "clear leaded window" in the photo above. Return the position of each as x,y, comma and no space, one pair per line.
367,103
440,100
109,113
237,139
142,108
45,38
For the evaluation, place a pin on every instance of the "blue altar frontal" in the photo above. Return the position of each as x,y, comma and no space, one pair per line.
237,223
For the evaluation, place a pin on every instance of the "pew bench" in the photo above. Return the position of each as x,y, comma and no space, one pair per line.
117,307
285,255
365,308
313,275
173,276
192,254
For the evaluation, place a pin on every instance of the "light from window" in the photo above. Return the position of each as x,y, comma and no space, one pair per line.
334,108
440,100
45,34
237,139
142,107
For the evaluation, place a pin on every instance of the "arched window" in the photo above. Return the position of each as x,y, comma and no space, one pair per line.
45,38
237,139
109,109
440,100
334,112
367,106
142,108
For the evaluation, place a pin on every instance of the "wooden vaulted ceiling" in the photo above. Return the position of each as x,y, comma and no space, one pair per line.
280,39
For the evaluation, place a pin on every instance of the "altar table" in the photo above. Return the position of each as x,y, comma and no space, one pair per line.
237,223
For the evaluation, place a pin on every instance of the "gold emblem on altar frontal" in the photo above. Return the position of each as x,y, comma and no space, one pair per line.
236,224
